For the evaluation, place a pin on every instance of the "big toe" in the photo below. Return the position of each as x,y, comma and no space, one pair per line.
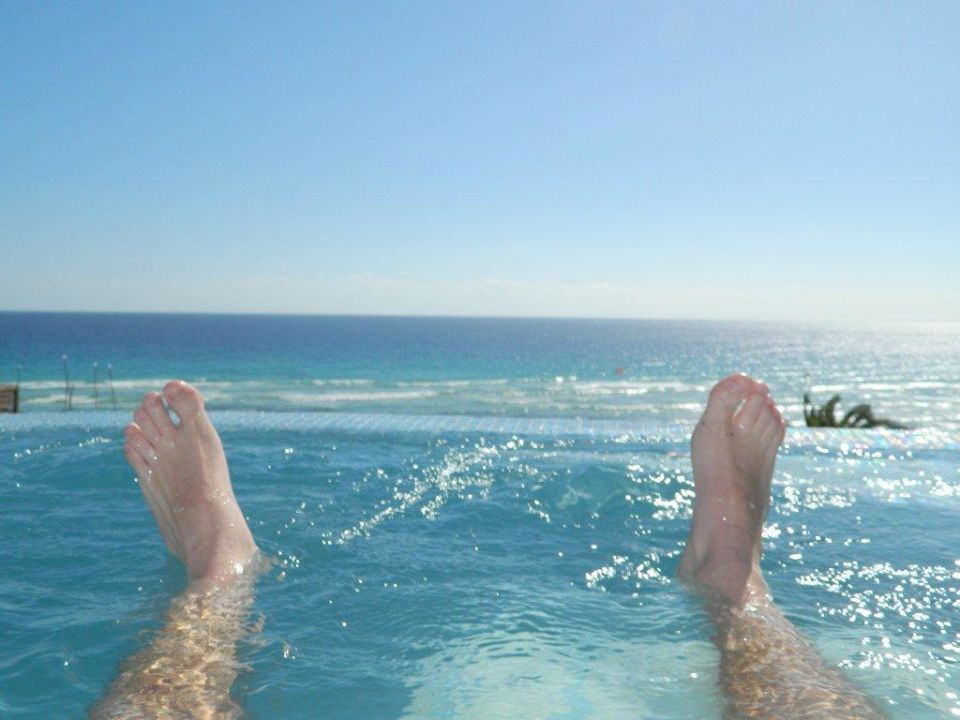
726,395
184,398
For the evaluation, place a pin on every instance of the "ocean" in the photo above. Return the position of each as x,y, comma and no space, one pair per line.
477,518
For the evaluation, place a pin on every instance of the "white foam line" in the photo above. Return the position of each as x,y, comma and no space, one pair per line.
326,398
342,381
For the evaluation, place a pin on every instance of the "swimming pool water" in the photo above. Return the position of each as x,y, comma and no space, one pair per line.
495,564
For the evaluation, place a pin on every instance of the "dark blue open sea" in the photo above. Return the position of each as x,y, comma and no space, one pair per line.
477,518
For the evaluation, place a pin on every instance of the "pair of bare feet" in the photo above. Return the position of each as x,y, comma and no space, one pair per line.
767,669
183,474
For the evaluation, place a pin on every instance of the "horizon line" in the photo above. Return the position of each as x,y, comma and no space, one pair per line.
223,313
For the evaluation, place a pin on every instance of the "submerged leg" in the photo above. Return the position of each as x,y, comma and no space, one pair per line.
767,669
189,667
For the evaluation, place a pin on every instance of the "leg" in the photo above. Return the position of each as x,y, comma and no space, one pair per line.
190,665
767,669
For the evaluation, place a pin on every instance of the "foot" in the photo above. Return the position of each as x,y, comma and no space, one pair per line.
734,449
183,476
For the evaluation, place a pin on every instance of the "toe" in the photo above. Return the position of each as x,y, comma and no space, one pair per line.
770,423
153,403
746,418
142,418
186,400
728,393
772,439
775,411
139,442
769,426
138,464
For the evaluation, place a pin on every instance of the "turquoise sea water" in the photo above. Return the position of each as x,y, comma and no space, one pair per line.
478,518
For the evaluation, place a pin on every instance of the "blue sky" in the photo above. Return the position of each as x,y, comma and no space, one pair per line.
705,160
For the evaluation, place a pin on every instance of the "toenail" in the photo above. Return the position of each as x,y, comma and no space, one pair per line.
172,388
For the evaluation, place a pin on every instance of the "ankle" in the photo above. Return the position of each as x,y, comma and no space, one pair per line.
725,570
